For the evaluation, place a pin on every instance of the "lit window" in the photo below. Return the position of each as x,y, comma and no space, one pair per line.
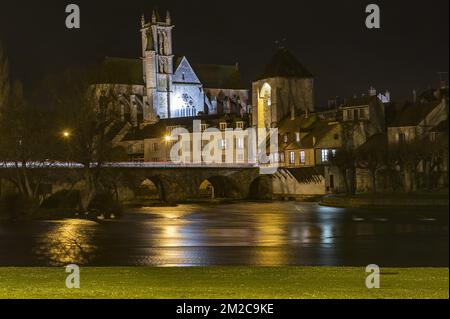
302,157
325,154
292,157
297,137
240,125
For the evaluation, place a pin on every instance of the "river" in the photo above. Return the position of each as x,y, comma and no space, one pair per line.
242,233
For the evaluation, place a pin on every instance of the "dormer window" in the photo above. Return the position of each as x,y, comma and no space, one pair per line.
223,126
240,125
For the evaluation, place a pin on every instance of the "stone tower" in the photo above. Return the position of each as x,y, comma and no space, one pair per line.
286,88
157,57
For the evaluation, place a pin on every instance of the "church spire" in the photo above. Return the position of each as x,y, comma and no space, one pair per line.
154,16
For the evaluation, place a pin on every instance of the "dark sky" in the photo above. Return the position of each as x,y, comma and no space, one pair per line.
328,37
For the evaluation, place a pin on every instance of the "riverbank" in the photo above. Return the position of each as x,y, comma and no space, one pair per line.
223,283
415,200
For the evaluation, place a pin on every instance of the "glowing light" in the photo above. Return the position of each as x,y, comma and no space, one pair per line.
66,134
168,138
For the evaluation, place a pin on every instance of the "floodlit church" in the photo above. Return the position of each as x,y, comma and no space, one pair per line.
160,86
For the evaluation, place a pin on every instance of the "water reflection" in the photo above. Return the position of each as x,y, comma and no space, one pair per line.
263,234
70,241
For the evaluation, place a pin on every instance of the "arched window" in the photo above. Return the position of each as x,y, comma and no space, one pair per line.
264,106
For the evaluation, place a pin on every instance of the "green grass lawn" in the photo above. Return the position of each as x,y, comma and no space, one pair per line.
224,282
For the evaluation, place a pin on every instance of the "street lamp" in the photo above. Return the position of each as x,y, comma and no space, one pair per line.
66,134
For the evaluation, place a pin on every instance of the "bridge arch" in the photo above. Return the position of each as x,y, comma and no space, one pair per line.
218,186
261,188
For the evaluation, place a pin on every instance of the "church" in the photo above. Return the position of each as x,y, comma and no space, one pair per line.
161,86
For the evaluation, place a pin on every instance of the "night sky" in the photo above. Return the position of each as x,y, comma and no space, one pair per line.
328,37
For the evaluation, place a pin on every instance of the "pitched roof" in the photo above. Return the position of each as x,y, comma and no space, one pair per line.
284,64
215,76
414,114
159,129
122,71
359,101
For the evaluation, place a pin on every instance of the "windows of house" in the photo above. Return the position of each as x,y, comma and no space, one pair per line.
203,127
327,154
223,126
291,158
324,156
302,157
240,125
286,137
155,147
297,137
401,137
356,114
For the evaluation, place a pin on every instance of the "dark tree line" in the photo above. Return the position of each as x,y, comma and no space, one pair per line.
67,119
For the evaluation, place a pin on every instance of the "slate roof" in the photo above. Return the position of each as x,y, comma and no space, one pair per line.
122,71
414,114
310,128
215,76
360,101
285,64
159,129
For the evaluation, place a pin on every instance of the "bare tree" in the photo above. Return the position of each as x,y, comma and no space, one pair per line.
4,79
26,143
88,114
372,157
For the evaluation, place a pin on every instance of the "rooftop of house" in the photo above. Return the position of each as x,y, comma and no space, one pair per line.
413,114
159,129
311,129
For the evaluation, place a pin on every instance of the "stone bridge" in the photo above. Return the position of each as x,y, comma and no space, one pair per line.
174,183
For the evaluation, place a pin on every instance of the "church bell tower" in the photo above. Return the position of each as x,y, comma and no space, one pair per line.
157,57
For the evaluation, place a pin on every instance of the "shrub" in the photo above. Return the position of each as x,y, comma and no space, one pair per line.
106,204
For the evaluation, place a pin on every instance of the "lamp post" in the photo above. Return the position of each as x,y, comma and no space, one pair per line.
66,135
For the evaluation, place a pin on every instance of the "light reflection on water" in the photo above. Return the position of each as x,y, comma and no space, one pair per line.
68,241
263,234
